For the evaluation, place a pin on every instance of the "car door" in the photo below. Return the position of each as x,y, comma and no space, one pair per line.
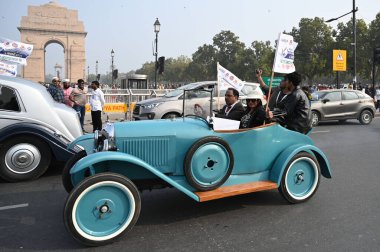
351,103
9,106
332,106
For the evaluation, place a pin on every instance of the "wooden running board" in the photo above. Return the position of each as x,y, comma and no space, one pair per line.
226,191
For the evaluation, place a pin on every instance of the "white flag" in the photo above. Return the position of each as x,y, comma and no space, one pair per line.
226,79
14,51
8,69
284,57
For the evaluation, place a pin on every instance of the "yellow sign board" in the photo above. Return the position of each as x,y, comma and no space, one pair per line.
114,107
339,60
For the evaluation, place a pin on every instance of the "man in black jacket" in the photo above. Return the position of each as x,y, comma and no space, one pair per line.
233,109
290,100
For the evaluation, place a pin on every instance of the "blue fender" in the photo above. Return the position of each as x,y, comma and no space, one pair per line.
86,141
285,156
91,160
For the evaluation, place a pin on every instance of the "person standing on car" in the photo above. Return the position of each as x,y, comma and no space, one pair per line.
96,104
291,101
78,97
233,109
56,91
67,89
254,114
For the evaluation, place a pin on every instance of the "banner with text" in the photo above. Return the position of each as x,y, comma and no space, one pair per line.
14,52
284,57
226,79
8,69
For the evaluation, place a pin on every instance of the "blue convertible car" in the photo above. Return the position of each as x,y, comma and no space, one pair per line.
191,154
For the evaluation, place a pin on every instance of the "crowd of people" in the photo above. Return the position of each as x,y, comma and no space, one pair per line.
288,105
75,97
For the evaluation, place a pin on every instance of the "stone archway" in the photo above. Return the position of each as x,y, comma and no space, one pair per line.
53,23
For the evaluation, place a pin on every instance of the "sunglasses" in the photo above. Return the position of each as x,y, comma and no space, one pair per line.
252,100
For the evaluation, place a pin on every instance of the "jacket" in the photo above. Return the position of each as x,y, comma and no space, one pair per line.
235,113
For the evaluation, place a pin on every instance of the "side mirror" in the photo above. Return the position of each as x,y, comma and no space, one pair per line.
325,100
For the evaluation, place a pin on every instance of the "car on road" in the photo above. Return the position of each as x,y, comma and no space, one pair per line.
197,155
34,129
170,105
342,105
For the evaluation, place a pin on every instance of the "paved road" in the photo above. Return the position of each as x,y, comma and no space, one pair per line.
342,216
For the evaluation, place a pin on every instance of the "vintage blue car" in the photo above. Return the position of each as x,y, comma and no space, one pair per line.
191,154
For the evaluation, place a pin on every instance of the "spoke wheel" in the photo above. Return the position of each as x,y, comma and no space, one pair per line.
102,209
208,163
300,179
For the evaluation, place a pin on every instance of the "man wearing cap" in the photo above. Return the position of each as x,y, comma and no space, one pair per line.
233,109
78,97
56,91
67,89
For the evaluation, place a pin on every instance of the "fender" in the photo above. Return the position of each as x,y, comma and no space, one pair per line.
87,162
56,142
285,156
85,141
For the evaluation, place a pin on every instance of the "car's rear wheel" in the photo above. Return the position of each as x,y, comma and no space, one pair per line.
365,117
171,116
24,158
102,209
66,177
208,163
300,179
315,118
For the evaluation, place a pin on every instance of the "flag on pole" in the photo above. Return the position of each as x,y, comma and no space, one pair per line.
14,52
226,79
8,69
284,57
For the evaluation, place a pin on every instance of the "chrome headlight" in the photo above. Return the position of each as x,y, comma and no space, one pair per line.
105,139
150,106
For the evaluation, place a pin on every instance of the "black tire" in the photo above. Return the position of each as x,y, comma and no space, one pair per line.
307,184
24,158
99,227
315,118
66,178
171,116
212,160
365,117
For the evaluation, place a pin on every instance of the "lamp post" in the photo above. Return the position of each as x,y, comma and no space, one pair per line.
96,70
112,55
354,9
156,26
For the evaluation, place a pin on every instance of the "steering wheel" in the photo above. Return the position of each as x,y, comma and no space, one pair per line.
198,117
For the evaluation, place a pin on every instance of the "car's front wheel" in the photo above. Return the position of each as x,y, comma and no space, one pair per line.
102,209
315,118
24,158
170,116
365,117
300,179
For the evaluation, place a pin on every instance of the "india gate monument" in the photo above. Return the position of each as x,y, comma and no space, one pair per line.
53,23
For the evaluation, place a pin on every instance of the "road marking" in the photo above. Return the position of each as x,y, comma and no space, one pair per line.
14,206
321,131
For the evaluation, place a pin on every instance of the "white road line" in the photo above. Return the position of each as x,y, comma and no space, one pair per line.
14,206
321,131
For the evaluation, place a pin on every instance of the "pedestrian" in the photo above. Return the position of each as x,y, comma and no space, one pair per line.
78,97
97,105
233,109
378,98
67,89
254,114
56,90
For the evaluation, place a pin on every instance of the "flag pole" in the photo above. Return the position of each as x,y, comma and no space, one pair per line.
270,90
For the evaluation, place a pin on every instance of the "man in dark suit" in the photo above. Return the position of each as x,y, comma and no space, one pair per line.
233,109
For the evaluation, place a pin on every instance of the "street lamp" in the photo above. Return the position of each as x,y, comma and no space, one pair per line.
96,70
156,26
354,9
112,54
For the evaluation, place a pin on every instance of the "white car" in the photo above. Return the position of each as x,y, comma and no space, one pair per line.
33,129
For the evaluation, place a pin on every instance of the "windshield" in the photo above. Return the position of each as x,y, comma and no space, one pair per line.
197,103
179,90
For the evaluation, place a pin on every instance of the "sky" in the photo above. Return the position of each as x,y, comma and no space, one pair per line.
126,26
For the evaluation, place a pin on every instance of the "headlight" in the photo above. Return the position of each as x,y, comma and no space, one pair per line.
105,139
150,106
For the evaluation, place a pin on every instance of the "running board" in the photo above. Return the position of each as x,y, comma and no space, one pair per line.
227,191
